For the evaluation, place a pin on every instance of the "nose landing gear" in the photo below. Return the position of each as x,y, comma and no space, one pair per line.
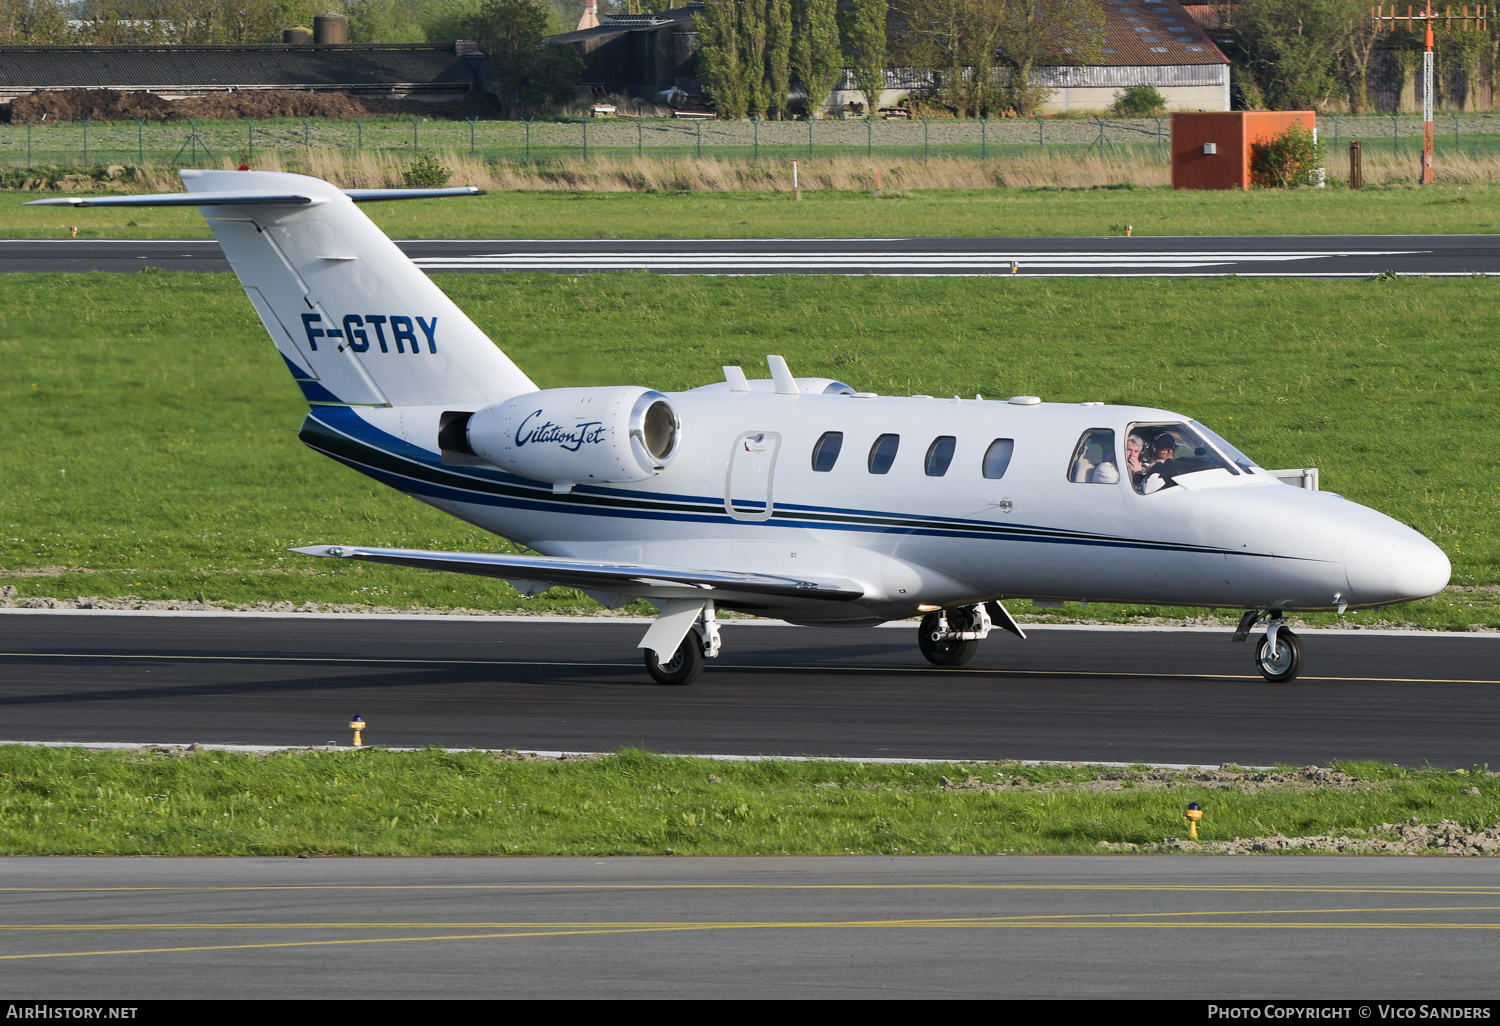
1278,654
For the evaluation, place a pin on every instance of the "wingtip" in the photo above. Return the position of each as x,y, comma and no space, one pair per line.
321,550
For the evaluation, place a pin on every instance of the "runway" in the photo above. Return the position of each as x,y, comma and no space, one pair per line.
1090,695
1275,256
1182,927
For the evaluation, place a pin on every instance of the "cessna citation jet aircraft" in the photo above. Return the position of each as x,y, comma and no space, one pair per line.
798,498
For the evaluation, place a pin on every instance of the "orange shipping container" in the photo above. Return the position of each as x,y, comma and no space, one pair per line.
1211,150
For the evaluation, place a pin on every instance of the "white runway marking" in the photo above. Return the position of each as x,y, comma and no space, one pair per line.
888,262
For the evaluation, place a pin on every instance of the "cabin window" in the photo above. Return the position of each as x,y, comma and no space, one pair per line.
1156,455
1094,458
997,458
883,453
939,455
826,452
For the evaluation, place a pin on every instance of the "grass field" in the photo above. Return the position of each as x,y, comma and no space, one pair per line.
582,212
149,445
80,802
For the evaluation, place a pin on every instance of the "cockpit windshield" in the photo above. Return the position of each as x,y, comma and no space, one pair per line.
1156,455
1240,459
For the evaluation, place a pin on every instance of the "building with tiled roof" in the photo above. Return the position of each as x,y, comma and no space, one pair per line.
424,71
1146,42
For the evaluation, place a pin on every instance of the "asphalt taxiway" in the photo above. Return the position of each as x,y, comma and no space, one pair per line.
1164,696
1196,927
1181,256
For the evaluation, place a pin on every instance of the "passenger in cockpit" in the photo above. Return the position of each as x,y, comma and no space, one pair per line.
1134,446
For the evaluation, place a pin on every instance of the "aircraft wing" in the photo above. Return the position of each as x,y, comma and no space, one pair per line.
659,582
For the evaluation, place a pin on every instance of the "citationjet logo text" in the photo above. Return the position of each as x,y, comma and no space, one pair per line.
359,333
571,439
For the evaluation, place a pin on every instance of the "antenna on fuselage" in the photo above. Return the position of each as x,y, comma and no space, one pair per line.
781,374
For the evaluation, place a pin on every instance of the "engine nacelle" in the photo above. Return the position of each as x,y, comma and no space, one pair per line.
565,436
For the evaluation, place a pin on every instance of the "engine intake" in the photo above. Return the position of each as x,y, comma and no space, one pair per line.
571,435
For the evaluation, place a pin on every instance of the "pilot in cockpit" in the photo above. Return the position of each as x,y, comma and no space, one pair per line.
1163,449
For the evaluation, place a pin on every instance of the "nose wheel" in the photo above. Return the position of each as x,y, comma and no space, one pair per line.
1279,660
1278,653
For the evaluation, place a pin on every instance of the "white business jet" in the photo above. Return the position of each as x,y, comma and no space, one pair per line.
798,498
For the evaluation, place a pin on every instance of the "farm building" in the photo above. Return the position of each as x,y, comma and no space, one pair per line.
1147,42
439,73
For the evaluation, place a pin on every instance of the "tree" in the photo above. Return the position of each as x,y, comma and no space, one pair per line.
33,22
752,43
965,39
864,45
1034,34
1295,47
1356,52
778,55
720,65
513,35
817,58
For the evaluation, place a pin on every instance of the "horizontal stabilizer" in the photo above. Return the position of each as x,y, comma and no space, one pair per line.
182,199
222,199
371,195
634,579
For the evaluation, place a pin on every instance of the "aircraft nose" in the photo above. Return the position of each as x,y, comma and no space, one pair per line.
1393,563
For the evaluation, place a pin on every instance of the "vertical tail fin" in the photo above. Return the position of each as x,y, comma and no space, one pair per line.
356,321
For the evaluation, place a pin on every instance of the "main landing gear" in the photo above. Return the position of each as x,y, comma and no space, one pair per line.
1278,654
950,637
701,642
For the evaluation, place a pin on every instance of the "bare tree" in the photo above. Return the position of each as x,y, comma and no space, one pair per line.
1033,34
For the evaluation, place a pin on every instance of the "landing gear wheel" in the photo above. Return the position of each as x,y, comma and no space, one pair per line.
683,668
945,652
1285,663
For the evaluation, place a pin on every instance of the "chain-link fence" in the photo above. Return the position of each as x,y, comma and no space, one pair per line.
181,143
52,143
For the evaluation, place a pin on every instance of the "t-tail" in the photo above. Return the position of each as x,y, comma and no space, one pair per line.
357,322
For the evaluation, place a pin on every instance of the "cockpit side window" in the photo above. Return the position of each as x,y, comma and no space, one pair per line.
826,452
939,455
1156,455
997,458
1094,459
883,453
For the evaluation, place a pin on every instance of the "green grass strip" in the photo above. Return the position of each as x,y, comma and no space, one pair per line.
431,802
1040,211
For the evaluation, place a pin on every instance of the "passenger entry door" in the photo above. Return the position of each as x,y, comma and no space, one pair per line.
752,467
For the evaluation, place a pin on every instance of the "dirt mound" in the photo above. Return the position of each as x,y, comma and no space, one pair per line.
1223,779
113,105
1413,837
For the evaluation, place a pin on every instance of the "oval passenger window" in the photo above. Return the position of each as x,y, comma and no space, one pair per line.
939,455
883,453
997,458
826,452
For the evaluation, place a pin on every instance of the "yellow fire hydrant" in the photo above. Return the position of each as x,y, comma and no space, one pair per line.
358,723
1193,814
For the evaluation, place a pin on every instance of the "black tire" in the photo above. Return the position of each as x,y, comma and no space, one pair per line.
1286,662
683,668
943,653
